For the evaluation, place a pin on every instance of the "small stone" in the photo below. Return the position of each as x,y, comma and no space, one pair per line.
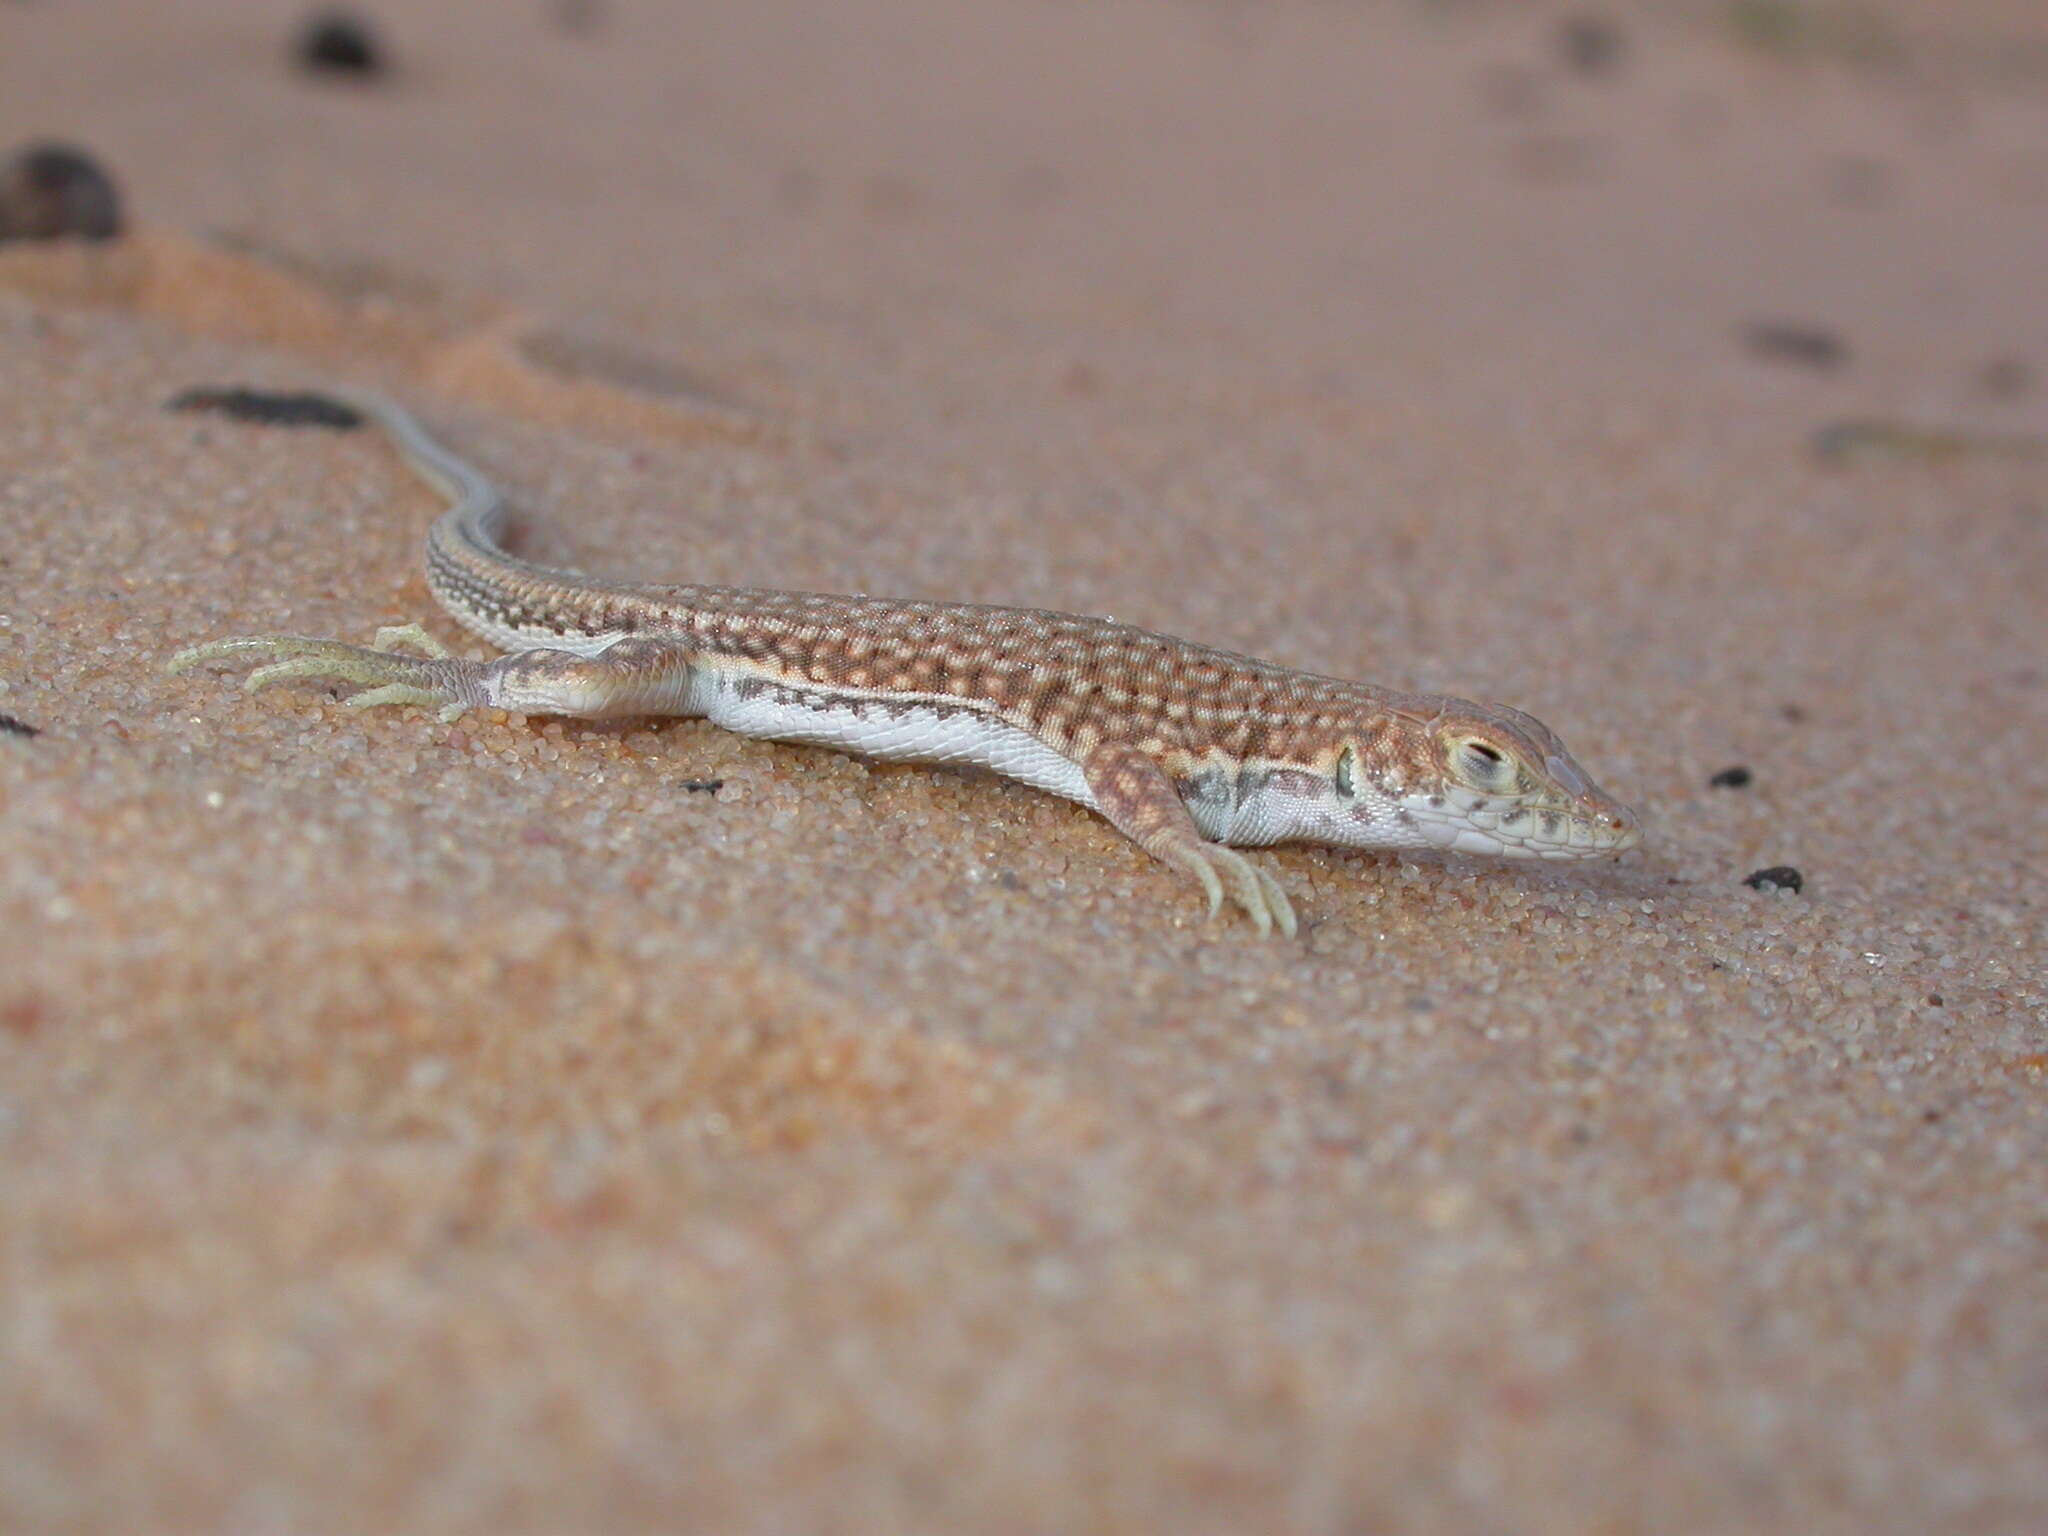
339,43
1779,877
51,191
2005,378
1591,45
1807,346
1735,777
9,726
581,16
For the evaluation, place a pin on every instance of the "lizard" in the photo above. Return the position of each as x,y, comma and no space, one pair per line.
1190,751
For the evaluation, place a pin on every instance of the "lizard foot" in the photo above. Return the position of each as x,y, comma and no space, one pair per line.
1142,801
389,676
1224,871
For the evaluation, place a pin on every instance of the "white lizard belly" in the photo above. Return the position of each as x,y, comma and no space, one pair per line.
893,730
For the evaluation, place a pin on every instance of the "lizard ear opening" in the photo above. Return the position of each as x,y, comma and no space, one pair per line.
1345,776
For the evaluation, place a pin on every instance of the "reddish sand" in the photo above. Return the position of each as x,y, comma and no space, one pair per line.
415,1127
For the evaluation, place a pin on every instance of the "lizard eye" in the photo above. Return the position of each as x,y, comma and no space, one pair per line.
1480,763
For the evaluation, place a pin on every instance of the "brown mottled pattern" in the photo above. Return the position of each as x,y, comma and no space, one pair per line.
1073,681
1185,748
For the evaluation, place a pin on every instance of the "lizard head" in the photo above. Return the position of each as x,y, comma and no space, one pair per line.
1493,780
1422,771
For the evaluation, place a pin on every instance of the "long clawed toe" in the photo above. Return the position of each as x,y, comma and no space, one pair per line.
1224,871
388,676
1277,902
391,636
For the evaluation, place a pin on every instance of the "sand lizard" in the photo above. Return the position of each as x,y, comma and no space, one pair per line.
1189,751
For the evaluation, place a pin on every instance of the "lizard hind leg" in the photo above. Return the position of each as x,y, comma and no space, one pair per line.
1222,870
389,676
631,677
1140,800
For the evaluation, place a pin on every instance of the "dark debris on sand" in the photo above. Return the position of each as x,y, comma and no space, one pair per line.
274,408
1779,877
53,191
340,43
1803,345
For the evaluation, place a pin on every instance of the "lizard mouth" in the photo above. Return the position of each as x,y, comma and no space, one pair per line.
1527,833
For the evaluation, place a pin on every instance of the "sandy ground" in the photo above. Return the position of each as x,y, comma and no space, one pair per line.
406,1126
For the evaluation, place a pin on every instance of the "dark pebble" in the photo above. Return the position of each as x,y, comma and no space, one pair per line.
2005,378
703,786
1737,777
271,408
49,191
1777,877
339,43
1592,45
579,15
9,726
1809,346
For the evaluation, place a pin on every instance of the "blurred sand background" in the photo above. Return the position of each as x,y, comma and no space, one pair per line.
415,1127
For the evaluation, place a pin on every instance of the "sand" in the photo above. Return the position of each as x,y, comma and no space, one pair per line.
529,1126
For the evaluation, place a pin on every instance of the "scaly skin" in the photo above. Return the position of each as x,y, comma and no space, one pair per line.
1186,749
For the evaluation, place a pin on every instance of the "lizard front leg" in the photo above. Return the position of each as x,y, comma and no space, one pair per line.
1139,798
634,676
